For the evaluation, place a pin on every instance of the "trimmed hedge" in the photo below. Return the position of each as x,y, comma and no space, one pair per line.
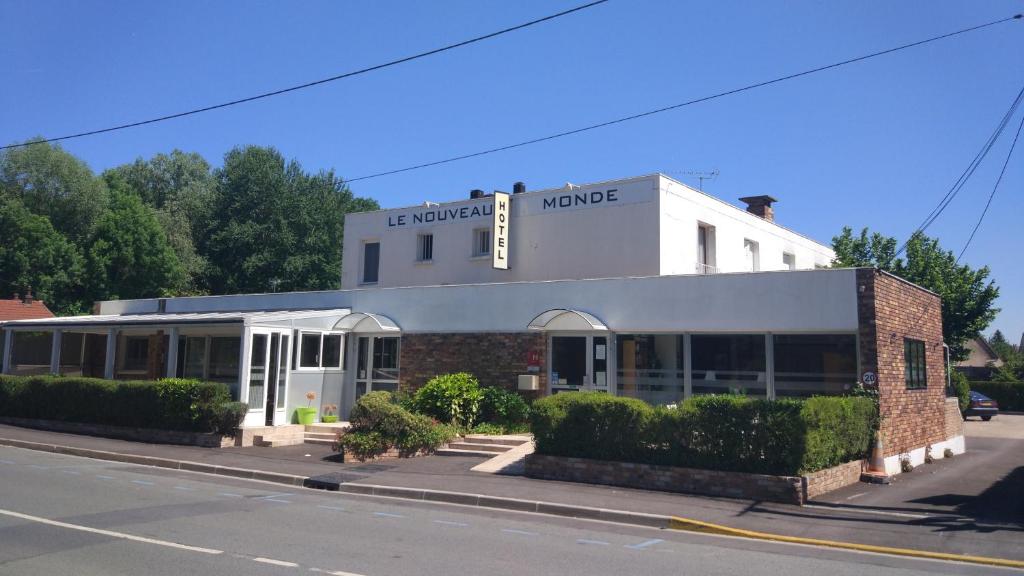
169,404
732,433
1009,395
379,424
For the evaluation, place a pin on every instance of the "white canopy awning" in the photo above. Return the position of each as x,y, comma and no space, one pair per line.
562,319
364,322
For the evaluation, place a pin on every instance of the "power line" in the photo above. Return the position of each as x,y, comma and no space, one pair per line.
316,82
967,173
683,104
994,188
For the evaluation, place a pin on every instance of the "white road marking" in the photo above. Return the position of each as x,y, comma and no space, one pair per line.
37,466
334,572
229,494
877,512
595,542
521,532
143,482
858,495
449,523
643,545
72,472
277,500
6,461
278,495
330,507
276,562
101,476
185,488
110,533
388,515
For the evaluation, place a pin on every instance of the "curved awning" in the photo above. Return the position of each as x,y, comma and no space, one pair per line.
364,322
566,320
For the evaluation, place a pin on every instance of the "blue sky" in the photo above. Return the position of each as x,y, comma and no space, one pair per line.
875,144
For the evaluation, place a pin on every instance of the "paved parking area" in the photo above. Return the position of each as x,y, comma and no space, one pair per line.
1001,426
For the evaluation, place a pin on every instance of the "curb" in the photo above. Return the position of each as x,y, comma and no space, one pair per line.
514,504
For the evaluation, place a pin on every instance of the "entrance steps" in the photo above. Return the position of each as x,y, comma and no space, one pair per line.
482,445
324,433
274,436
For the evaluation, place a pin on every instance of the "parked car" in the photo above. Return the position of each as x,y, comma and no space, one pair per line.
982,406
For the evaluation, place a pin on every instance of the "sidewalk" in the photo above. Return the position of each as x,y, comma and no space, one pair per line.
940,532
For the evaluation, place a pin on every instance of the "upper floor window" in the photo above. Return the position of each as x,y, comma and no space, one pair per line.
752,255
371,262
914,369
789,260
706,249
424,247
482,242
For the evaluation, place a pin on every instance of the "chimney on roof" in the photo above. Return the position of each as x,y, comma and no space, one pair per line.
518,188
474,194
28,296
16,296
760,206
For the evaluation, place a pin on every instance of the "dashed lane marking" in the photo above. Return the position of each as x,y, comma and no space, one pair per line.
450,523
7,462
645,544
143,482
184,488
103,477
591,542
520,532
72,472
109,533
330,507
388,515
229,494
276,562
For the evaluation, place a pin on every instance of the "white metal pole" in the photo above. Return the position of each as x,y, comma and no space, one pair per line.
108,363
55,344
172,352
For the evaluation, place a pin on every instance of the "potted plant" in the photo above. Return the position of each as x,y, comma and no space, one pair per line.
306,415
330,414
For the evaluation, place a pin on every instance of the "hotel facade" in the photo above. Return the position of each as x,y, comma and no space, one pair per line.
639,287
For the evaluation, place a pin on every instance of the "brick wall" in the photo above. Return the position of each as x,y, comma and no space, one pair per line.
890,310
954,420
829,479
496,359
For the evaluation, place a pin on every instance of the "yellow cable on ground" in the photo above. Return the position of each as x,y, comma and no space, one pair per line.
688,525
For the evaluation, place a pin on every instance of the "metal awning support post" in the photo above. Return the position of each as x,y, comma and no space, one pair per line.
8,344
172,352
108,364
55,351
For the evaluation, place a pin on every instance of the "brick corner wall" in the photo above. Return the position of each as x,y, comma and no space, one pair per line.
495,358
889,310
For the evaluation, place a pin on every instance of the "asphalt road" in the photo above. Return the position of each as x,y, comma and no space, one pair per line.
66,515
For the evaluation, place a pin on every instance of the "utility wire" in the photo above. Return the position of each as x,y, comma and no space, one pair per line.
687,103
316,82
994,188
967,173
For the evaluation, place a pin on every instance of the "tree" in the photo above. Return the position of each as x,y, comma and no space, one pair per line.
274,227
34,255
968,297
128,254
1001,346
53,183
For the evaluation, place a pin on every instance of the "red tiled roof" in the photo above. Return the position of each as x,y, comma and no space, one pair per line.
15,309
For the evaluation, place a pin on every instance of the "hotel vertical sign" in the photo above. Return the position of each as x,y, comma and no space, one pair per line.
502,210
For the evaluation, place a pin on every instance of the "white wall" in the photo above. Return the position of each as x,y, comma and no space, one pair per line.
617,236
683,208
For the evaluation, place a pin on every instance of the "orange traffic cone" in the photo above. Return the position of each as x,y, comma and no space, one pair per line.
875,473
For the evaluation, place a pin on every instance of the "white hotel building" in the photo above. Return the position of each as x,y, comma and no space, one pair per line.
641,286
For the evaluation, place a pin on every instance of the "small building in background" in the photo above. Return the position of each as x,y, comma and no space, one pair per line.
20,308
981,360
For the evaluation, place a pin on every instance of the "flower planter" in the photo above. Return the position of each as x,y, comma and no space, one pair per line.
329,419
305,416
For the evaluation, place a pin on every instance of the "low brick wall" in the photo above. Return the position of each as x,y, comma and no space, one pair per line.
391,454
954,419
823,481
788,489
122,433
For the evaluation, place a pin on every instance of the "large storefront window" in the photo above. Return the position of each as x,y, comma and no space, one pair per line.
814,364
257,371
651,367
30,353
729,364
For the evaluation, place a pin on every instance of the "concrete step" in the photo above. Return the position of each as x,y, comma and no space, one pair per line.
459,452
324,441
321,435
332,428
491,448
500,440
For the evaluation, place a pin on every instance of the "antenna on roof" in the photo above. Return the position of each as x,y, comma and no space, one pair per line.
701,176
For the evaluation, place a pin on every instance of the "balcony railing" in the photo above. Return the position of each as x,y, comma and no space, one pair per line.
706,268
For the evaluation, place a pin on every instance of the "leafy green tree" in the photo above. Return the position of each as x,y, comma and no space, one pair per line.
1002,347
51,182
34,255
129,255
968,296
274,227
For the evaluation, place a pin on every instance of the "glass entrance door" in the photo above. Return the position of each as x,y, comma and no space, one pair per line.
376,364
269,357
579,363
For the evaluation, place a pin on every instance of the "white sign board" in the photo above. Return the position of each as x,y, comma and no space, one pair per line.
502,209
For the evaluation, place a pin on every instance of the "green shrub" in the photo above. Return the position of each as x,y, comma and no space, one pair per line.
1009,395
379,424
170,404
734,433
450,398
488,428
962,388
504,408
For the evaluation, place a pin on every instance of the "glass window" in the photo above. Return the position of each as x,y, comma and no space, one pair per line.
195,356
424,247
371,262
309,350
224,351
729,364
282,374
751,252
72,346
568,361
385,360
706,249
482,242
364,345
30,353
136,353
257,370
913,364
332,351
814,364
651,367
789,260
